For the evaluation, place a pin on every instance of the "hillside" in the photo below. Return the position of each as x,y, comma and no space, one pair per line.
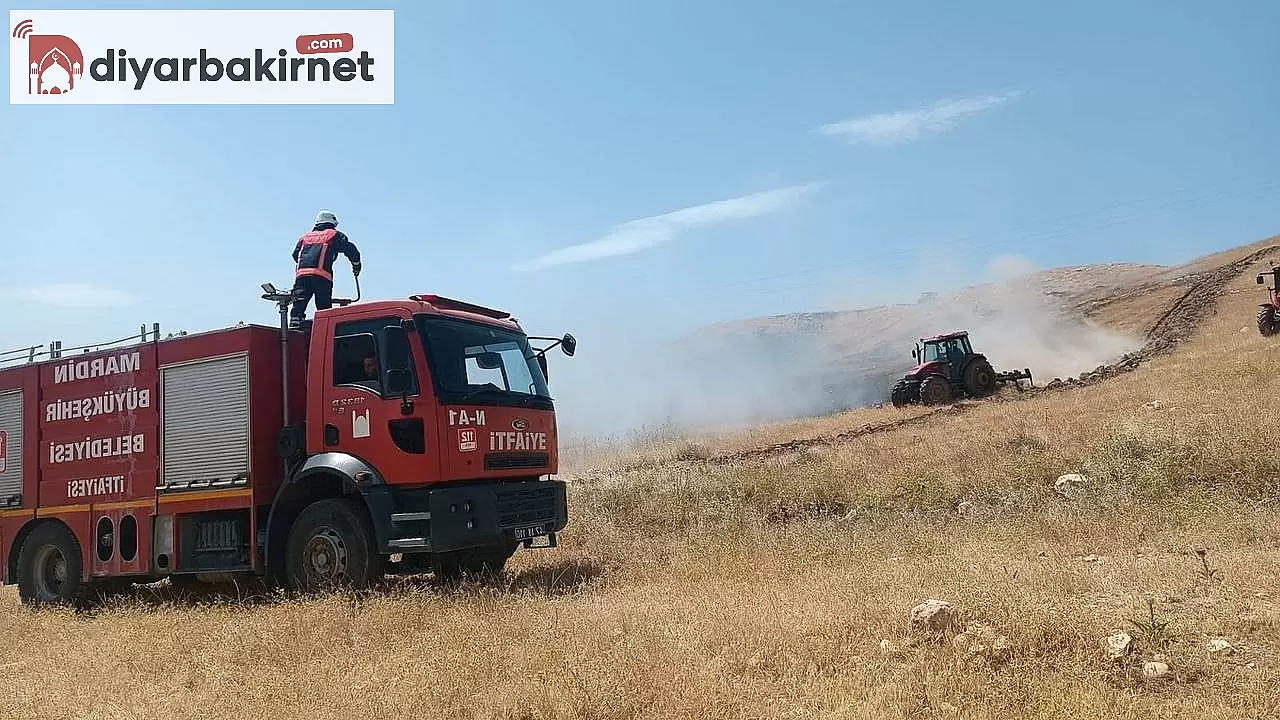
772,573
808,364
813,364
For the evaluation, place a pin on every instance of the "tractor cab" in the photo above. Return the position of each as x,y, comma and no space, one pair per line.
943,353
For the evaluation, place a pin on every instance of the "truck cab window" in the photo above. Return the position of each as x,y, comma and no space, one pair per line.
349,363
482,365
355,361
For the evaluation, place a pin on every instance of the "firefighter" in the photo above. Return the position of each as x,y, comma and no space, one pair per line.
314,255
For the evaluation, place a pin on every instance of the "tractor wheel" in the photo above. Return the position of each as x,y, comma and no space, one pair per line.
935,390
330,546
1268,324
979,378
900,394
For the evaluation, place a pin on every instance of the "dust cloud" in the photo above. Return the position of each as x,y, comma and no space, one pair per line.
804,365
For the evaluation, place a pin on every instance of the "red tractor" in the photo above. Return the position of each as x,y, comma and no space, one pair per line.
948,368
1269,312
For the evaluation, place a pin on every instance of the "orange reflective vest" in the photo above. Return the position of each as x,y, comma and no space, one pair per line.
313,250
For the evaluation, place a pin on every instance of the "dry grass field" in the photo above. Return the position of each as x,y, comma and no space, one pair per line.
772,574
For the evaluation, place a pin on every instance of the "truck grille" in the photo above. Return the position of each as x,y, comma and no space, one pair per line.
515,461
526,505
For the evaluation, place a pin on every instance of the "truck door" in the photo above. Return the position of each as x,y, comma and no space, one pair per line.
393,432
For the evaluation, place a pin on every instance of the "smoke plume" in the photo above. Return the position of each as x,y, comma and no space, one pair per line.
793,366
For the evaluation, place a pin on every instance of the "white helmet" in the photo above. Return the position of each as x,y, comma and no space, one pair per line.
325,216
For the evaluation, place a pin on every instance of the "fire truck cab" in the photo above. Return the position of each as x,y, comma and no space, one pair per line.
392,436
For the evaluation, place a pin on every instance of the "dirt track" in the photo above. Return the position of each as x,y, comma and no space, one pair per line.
1178,323
1175,325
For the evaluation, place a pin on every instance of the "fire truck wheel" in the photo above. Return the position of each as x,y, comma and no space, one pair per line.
331,545
49,566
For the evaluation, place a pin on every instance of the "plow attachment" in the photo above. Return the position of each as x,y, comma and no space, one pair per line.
1016,377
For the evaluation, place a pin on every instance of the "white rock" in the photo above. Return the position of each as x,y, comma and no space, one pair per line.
932,616
1155,670
1219,647
1071,485
1119,645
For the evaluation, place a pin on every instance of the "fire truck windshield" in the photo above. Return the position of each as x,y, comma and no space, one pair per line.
479,364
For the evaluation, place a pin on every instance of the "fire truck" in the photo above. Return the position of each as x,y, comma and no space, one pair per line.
381,437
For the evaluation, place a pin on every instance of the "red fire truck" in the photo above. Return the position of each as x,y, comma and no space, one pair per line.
382,437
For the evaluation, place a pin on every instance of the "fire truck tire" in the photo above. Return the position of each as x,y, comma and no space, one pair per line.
331,545
49,566
480,561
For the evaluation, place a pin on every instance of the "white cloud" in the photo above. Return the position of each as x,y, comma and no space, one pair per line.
637,235
899,127
71,295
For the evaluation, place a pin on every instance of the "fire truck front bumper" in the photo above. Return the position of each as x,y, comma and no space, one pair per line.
467,515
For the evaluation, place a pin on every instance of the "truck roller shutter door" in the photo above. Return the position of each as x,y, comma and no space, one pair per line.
206,421
11,426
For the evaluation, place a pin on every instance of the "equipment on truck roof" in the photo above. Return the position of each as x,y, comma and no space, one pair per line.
392,436
946,369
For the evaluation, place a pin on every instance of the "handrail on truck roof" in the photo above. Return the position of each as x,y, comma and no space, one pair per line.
55,350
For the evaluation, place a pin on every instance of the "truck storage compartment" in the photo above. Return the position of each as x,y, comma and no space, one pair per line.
205,420
11,448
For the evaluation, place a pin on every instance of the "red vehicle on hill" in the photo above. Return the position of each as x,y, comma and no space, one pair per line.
947,369
383,437
1269,312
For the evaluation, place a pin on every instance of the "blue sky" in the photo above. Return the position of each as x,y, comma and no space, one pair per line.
726,159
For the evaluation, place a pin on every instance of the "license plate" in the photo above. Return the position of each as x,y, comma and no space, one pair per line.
529,532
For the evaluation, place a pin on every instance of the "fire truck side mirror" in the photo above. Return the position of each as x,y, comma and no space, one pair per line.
568,345
542,365
1260,280
395,354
